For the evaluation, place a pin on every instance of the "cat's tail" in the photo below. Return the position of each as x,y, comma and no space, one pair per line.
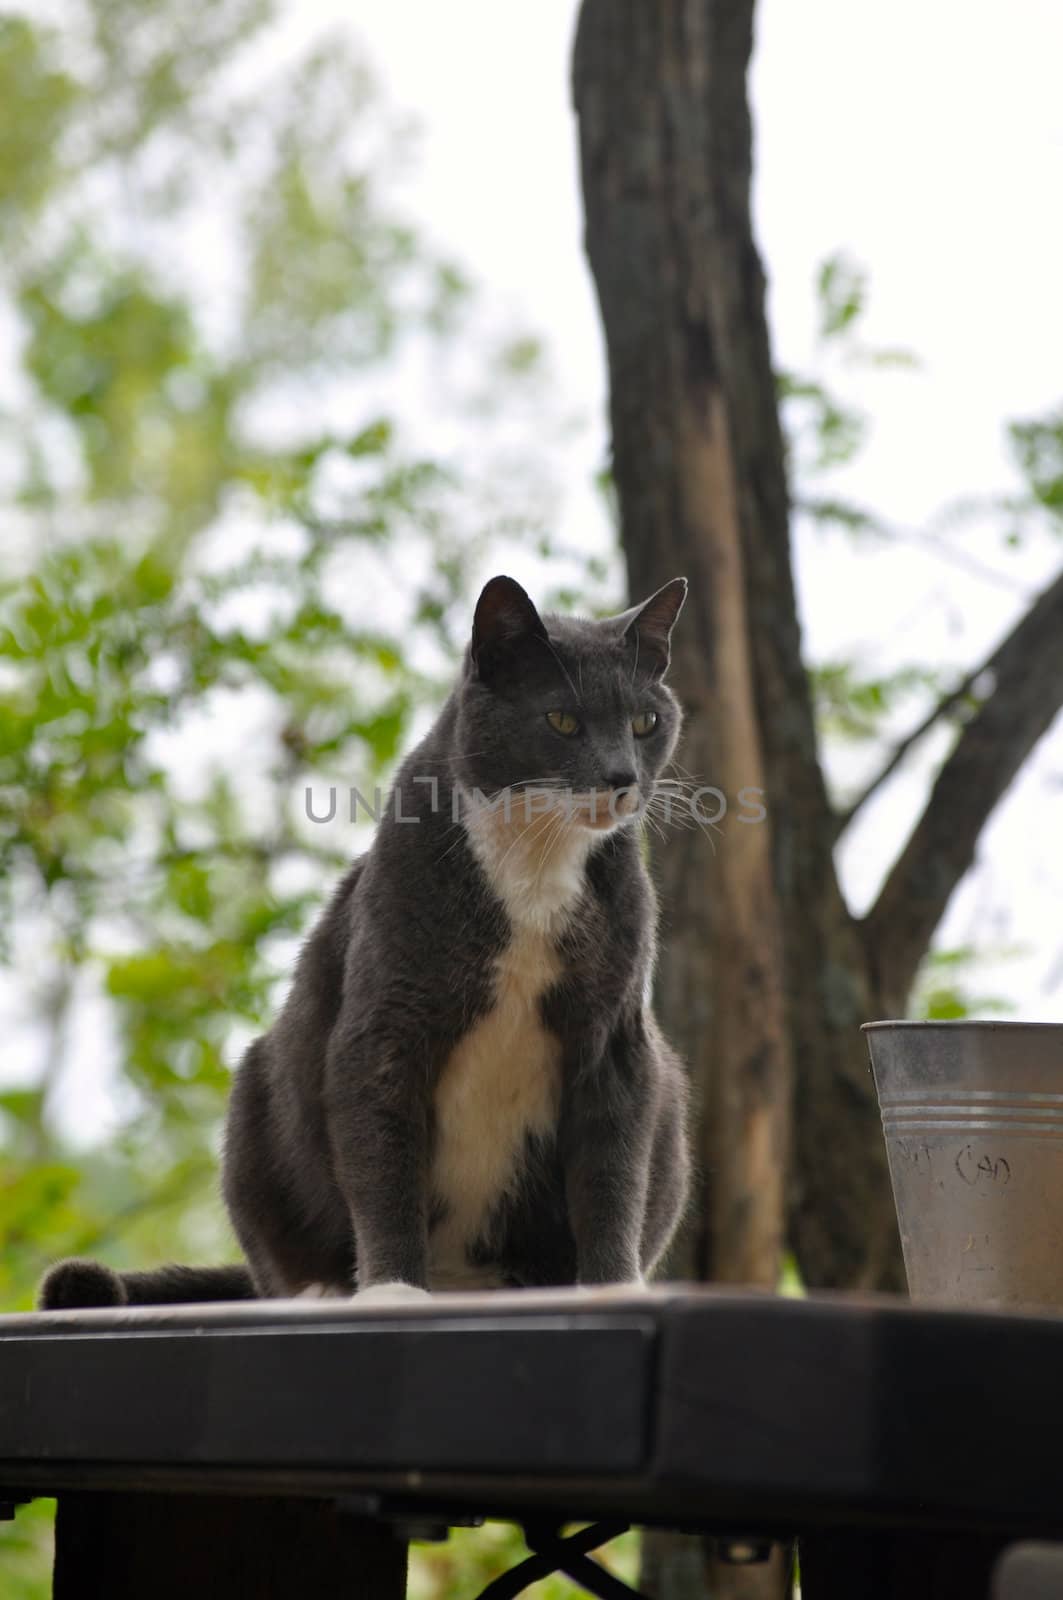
75,1283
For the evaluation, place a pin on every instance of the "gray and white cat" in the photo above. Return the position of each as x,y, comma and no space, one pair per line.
466,1086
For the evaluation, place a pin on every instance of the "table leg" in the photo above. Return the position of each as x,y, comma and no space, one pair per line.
112,1546
884,1564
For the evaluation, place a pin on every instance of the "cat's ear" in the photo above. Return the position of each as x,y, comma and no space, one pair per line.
649,625
505,619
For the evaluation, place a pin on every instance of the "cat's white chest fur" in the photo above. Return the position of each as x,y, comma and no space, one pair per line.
502,1081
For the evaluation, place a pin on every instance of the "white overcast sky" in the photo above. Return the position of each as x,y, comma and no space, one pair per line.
927,142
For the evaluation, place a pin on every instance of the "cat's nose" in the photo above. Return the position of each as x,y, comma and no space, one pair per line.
622,778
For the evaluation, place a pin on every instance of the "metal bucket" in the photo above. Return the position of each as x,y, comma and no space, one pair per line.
973,1118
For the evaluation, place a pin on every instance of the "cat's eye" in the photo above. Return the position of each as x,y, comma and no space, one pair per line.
563,722
643,724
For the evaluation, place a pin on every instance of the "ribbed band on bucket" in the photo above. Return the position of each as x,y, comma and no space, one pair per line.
971,1110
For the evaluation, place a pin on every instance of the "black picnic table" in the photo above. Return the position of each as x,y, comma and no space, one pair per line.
291,1447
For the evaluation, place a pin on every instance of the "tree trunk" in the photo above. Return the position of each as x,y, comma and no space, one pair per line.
765,976
653,217
659,229
762,965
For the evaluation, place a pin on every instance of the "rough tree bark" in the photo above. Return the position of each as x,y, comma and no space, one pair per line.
765,976
651,216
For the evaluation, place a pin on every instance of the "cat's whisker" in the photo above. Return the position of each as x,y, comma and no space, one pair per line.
459,840
707,828
557,835
663,820
651,822
523,787
564,669
506,803
683,785
686,774
683,816
544,816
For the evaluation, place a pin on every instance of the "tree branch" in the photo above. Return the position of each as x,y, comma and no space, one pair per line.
946,704
1028,692
841,513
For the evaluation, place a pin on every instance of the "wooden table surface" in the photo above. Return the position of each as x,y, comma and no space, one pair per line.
686,1407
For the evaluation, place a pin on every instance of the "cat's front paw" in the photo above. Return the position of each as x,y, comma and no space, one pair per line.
390,1294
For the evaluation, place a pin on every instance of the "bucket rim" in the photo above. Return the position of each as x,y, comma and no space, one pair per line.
990,1024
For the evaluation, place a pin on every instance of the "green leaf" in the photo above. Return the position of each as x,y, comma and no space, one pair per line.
841,288
1037,448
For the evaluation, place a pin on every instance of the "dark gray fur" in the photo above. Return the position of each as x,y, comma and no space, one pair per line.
330,1129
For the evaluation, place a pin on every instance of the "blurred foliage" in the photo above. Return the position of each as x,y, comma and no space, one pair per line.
824,431
1037,447
173,560
889,711
463,1565
26,1552
228,568
948,986
852,704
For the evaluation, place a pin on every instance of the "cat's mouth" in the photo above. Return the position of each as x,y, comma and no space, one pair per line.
602,809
